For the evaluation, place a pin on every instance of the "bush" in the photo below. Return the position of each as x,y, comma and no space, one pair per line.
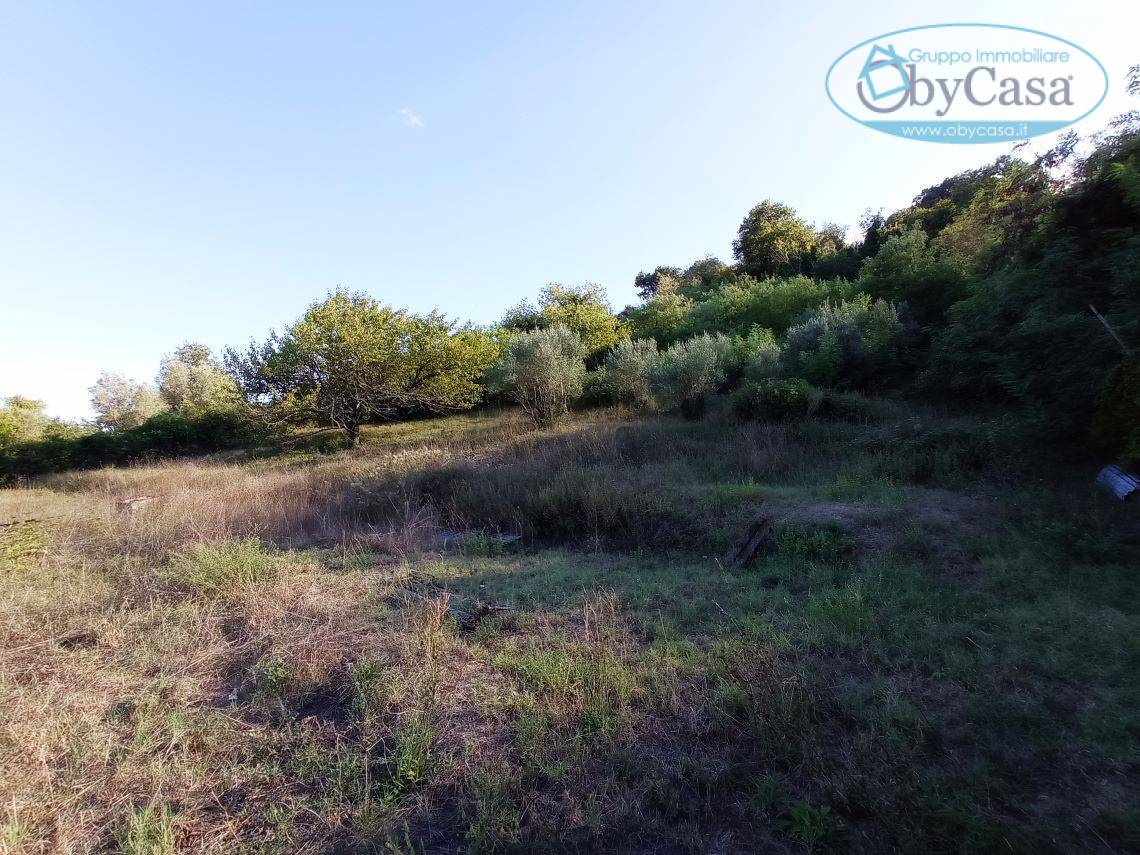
689,371
908,268
627,370
167,434
1116,420
778,399
542,371
744,303
759,355
844,343
222,569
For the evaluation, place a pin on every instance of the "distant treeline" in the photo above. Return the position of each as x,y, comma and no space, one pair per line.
1016,284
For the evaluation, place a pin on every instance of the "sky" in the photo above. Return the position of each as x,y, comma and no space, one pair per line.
203,171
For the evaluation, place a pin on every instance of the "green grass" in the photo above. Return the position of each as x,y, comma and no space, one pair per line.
223,569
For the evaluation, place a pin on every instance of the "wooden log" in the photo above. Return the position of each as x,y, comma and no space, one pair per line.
759,539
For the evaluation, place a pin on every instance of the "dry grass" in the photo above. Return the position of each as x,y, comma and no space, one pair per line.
262,658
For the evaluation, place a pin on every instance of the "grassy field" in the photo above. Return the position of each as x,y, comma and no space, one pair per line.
939,652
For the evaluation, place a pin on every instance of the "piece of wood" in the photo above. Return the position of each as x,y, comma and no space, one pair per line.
759,539
131,505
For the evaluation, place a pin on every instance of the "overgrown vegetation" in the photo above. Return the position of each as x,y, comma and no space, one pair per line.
832,608
275,655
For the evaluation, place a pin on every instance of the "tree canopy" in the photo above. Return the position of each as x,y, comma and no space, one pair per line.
772,241
350,360
191,382
121,404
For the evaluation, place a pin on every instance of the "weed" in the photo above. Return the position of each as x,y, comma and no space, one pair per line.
367,694
148,831
843,613
825,543
21,543
224,570
812,826
411,758
495,815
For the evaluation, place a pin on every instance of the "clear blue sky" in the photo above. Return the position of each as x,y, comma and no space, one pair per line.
174,171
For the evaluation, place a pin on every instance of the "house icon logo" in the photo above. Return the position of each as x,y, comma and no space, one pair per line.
883,73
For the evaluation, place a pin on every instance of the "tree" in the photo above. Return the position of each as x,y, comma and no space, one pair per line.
873,225
909,268
191,382
350,360
691,370
662,280
542,371
773,241
582,309
21,420
122,404
663,318
1000,220
831,256
627,370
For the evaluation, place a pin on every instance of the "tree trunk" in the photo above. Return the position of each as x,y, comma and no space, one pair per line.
353,432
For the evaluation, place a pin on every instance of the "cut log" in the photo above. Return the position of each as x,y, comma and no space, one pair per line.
129,506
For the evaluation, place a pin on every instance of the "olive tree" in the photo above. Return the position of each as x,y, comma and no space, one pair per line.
689,371
626,372
191,382
121,404
542,371
350,360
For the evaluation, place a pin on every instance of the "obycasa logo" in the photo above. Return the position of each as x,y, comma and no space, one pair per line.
967,83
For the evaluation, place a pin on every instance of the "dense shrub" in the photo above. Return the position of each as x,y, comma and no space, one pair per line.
542,371
908,268
844,343
777,399
167,434
736,307
757,355
689,371
744,303
1116,421
626,372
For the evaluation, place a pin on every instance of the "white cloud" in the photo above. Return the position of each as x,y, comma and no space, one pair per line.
411,118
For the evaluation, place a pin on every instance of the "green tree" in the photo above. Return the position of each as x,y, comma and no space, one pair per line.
662,319
122,404
191,382
582,309
542,371
1000,219
773,241
909,268
22,420
350,360
663,280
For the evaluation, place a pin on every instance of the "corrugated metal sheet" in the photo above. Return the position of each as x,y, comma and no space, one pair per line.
1118,481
